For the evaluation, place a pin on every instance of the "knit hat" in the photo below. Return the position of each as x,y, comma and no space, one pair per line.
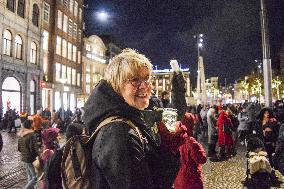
27,124
23,117
49,135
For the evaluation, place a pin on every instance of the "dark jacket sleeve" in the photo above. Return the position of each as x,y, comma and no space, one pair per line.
119,159
178,94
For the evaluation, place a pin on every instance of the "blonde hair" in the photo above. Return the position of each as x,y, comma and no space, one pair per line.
124,66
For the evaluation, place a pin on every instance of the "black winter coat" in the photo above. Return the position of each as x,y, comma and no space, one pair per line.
119,159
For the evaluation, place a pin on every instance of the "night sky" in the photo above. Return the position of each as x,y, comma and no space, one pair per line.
164,29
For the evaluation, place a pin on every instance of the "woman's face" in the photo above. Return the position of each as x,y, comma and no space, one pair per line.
137,90
266,114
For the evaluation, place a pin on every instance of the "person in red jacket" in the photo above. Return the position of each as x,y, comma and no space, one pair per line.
225,139
192,156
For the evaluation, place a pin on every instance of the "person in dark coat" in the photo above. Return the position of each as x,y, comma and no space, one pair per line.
27,146
120,159
267,129
165,99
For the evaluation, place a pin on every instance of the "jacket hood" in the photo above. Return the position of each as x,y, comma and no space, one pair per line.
105,102
23,132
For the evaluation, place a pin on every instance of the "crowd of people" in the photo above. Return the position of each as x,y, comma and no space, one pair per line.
148,154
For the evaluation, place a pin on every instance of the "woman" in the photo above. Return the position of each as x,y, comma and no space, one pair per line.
120,159
225,139
267,129
212,132
244,125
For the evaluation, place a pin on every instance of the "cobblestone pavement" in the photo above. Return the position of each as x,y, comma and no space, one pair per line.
218,175
228,174
12,170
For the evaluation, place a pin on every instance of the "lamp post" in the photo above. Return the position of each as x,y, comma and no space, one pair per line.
267,75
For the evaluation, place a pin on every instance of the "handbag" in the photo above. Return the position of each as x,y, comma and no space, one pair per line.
38,168
227,129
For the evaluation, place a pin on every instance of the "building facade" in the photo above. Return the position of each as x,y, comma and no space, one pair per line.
62,43
20,55
162,81
94,62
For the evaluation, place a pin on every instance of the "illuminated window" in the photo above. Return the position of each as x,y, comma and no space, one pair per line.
78,79
7,43
65,23
75,8
59,19
57,71
63,71
88,47
88,78
18,47
64,48
73,77
33,54
74,53
45,63
79,57
69,75
88,67
69,51
71,3
80,14
45,40
58,45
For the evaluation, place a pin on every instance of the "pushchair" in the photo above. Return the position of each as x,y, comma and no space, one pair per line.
258,169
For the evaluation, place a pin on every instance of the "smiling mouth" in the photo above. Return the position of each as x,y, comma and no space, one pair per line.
142,95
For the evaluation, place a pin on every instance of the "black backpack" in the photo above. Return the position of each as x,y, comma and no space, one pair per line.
52,170
70,166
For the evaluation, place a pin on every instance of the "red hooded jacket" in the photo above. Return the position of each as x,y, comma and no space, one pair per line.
192,156
224,138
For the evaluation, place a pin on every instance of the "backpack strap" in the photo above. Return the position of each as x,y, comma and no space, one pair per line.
112,119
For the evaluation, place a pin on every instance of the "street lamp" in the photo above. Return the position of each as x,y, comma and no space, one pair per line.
201,87
199,38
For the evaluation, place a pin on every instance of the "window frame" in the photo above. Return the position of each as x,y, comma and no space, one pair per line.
18,47
21,8
7,43
35,15
33,53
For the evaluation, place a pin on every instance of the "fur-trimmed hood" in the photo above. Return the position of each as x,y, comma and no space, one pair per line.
105,102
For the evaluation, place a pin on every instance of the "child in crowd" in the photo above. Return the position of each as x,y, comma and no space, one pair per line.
50,139
192,156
